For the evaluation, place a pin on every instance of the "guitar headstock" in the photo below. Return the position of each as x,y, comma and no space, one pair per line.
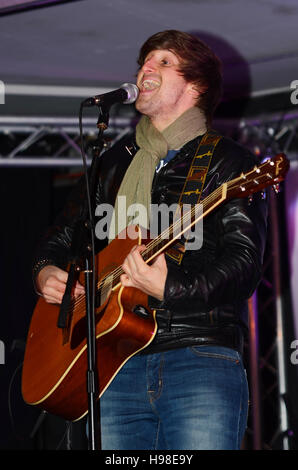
269,173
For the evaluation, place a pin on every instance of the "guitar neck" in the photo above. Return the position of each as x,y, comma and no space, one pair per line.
183,224
271,172
171,235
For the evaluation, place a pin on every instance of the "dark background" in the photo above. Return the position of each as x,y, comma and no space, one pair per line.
94,51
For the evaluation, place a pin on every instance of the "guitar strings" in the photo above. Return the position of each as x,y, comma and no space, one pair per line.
189,215
115,275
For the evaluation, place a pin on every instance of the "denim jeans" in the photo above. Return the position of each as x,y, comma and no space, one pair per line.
191,398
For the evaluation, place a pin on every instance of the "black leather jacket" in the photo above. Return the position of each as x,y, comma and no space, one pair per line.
205,298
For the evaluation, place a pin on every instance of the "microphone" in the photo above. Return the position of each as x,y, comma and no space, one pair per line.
127,94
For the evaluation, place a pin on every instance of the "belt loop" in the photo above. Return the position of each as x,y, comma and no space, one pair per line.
169,321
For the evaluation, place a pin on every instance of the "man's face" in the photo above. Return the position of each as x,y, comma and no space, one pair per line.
163,90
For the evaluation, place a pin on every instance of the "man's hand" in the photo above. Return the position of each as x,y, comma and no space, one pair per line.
150,279
51,283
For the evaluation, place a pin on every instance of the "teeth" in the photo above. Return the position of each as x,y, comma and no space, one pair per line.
150,84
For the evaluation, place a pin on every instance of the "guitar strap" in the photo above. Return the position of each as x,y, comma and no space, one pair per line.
194,184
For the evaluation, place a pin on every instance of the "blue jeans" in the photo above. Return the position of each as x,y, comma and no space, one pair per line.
192,398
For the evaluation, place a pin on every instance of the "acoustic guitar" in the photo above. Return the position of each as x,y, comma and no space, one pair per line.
55,361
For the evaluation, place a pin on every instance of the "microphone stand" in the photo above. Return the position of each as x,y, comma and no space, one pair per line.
83,248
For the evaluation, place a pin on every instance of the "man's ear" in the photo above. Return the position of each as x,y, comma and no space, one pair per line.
194,91
197,90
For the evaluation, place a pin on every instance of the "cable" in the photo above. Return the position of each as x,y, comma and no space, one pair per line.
65,435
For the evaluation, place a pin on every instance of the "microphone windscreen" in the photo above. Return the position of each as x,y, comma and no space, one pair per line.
132,92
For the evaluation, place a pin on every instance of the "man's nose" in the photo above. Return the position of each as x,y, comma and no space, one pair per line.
149,66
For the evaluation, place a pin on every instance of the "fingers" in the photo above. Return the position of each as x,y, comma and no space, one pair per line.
79,289
148,278
160,261
53,289
51,283
134,265
126,281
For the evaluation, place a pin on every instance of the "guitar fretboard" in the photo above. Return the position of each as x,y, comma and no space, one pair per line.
269,173
170,235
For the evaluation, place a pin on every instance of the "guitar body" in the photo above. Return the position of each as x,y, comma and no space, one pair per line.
55,362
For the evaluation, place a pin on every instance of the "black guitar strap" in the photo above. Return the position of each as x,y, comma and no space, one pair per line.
194,184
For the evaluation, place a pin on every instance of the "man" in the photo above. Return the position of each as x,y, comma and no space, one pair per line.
188,388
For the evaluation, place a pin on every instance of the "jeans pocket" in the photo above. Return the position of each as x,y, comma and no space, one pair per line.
217,352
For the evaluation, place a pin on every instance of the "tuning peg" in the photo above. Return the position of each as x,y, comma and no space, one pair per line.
276,188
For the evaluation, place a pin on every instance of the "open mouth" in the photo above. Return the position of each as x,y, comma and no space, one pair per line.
149,84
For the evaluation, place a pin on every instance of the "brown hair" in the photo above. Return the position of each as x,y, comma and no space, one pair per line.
199,65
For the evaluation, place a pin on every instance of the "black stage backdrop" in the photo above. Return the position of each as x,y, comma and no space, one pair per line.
29,204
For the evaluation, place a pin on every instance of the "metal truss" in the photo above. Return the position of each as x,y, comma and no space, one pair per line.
268,420
269,423
269,416
51,142
54,141
269,135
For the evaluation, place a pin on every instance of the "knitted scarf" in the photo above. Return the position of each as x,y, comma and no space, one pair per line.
153,146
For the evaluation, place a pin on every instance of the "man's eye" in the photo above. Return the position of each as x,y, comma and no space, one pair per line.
165,62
